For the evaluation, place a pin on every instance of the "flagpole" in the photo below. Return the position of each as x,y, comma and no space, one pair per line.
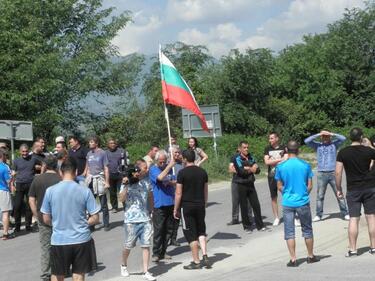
166,113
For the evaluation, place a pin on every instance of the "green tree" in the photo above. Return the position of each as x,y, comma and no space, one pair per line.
53,53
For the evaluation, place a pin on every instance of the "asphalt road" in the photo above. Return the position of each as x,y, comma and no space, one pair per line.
235,254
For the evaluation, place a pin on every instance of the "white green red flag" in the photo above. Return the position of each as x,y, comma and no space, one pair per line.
176,91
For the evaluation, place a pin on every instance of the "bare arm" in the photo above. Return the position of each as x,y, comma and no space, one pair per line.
151,201
252,169
205,193
165,172
47,219
177,200
32,203
94,219
309,185
280,186
272,162
106,176
231,168
86,171
338,176
203,156
123,195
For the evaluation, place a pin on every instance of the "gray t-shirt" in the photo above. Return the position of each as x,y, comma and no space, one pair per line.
114,159
96,161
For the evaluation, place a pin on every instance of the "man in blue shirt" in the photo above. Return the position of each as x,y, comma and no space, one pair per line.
5,198
294,181
163,187
326,150
65,207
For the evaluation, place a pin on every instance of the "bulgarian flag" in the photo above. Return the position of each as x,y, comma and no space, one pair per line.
176,91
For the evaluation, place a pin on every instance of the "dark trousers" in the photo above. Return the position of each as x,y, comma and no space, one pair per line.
236,203
176,224
247,193
22,194
163,229
115,184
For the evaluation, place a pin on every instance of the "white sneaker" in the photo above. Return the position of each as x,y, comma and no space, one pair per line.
276,222
347,217
124,271
148,276
297,222
316,218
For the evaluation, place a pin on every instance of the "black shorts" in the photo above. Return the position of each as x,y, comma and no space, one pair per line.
272,184
193,224
357,198
82,258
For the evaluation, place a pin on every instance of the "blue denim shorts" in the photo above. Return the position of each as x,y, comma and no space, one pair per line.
134,231
304,215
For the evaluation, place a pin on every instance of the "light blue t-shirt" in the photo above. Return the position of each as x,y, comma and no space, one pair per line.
136,204
294,173
67,203
4,176
325,152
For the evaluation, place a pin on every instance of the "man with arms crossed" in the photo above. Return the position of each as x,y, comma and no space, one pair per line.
191,195
274,153
65,207
36,194
360,180
326,156
294,181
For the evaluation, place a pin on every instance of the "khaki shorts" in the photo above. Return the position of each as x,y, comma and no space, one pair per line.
5,201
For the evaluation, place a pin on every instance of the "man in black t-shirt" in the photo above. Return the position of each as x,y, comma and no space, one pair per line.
36,194
23,172
274,153
191,195
356,160
79,153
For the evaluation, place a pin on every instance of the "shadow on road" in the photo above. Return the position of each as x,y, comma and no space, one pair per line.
179,250
333,216
209,204
362,250
218,257
321,257
225,236
162,267
116,224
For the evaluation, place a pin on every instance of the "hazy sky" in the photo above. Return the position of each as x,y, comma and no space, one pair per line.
224,24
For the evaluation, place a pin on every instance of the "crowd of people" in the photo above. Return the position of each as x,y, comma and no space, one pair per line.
60,191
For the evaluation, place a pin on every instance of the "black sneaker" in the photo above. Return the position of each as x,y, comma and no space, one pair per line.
206,262
233,222
248,230
351,254
312,259
292,263
372,251
192,266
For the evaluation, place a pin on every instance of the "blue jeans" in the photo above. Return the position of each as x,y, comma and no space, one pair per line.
325,178
304,215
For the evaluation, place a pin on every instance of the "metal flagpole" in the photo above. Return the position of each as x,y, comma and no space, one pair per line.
166,113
